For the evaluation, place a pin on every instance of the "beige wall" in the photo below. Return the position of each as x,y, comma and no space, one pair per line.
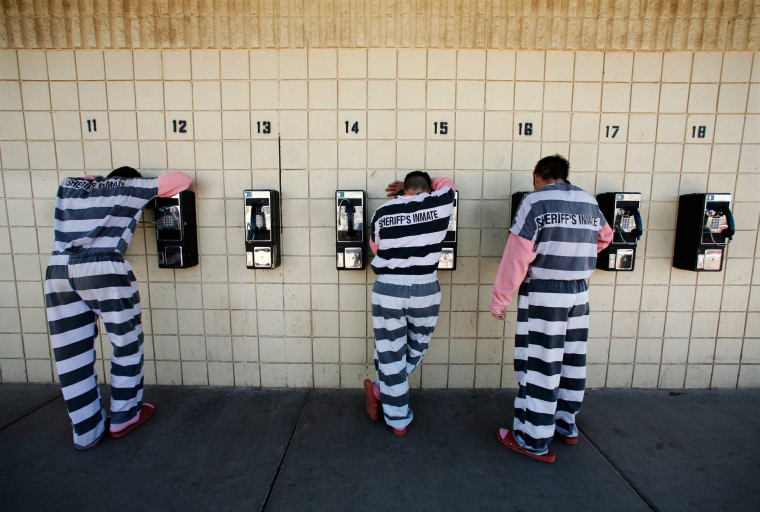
656,69
698,25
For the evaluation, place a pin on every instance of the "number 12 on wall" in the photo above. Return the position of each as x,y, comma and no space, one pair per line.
179,126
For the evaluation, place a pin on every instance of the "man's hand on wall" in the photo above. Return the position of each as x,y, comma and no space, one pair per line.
395,188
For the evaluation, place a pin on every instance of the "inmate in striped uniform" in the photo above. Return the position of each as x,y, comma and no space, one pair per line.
551,333
88,277
408,232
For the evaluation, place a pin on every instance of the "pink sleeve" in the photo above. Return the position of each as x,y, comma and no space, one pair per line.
518,255
439,183
172,183
604,238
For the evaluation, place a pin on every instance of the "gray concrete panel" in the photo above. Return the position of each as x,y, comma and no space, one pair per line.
18,400
449,460
684,450
204,449
231,449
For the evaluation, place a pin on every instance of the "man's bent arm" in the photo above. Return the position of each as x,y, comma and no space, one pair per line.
172,183
439,183
518,255
604,238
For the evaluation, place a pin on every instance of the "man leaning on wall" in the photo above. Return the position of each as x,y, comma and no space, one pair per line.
88,277
406,236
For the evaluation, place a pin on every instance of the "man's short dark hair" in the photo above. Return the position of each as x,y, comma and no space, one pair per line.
124,172
418,180
555,167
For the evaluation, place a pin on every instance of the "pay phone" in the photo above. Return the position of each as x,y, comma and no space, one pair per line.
621,210
262,234
176,230
704,227
517,198
448,260
350,222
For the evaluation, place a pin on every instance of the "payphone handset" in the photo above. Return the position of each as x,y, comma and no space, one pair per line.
719,221
168,222
704,228
621,211
350,219
259,222
262,235
448,259
349,229
627,223
176,230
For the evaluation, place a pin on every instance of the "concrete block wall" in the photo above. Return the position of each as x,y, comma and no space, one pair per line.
663,103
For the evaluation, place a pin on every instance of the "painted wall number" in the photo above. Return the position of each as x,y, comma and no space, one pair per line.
525,129
699,132
179,126
352,127
264,127
92,125
611,131
441,128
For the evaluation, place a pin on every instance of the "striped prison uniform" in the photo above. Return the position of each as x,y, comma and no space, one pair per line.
88,277
566,229
408,234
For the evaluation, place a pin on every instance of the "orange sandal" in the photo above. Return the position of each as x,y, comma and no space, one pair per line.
146,411
510,442
566,439
371,402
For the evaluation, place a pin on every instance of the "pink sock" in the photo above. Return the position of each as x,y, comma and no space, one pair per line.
118,428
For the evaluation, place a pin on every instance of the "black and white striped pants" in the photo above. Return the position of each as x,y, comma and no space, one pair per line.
78,289
550,359
404,313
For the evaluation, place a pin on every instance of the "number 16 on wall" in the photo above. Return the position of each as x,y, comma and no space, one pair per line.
526,127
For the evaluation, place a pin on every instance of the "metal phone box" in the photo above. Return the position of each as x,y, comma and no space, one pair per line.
448,260
517,198
621,210
350,219
176,230
262,232
704,228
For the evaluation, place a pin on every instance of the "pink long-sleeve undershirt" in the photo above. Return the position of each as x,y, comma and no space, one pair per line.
518,255
603,238
172,183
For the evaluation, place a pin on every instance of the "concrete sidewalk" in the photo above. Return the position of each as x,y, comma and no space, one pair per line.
230,449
